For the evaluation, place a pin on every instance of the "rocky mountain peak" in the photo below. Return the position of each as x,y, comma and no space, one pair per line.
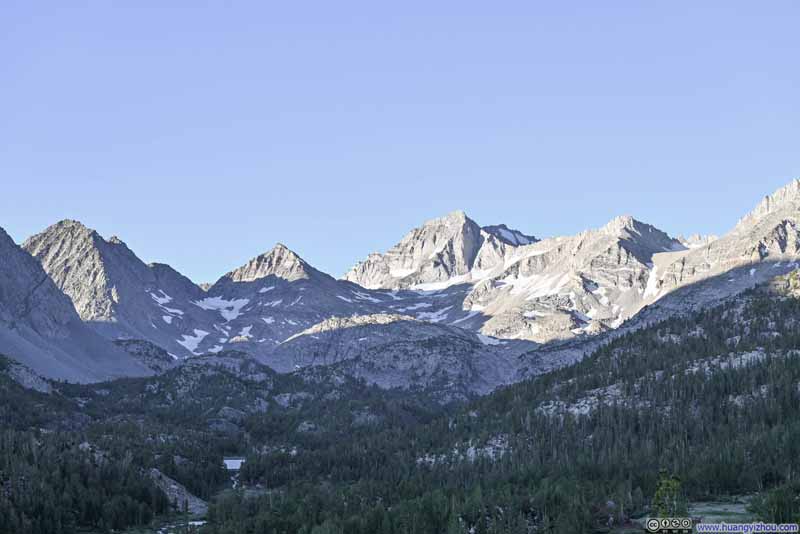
280,261
85,266
39,326
786,198
70,224
456,217
436,251
67,228
114,290
631,230
621,224
67,231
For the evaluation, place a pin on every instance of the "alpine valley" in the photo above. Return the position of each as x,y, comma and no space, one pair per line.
471,379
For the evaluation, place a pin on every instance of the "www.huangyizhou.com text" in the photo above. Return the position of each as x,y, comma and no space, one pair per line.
747,528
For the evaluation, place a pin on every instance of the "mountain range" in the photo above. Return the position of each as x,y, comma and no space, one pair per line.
453,306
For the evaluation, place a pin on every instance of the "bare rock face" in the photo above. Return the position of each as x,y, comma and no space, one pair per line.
766,238
40,329
83,265
784,200
115,292
437,251
562,287
392,351
565,287
279,262
517,287
28,295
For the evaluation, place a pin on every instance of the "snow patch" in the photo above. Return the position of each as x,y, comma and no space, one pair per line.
363,296
164,299
486,340
468,316
651,289
434,317
416,306
191,343
229,309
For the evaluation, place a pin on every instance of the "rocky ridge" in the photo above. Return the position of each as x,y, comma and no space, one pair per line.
40,329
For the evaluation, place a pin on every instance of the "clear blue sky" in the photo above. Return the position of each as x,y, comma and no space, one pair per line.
203,132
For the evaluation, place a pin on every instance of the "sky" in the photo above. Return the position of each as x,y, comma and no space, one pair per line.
202,133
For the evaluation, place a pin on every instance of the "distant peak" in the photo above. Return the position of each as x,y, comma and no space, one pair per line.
280,247
283,251
279,261
621,222
459,215
454,217
69,224
65,230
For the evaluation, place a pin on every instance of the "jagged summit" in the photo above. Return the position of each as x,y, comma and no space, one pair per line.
627,225
280,261
786,198
436,251
74,228
85,266
621,222
39,327
114,290
456,216
629,228
69,223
